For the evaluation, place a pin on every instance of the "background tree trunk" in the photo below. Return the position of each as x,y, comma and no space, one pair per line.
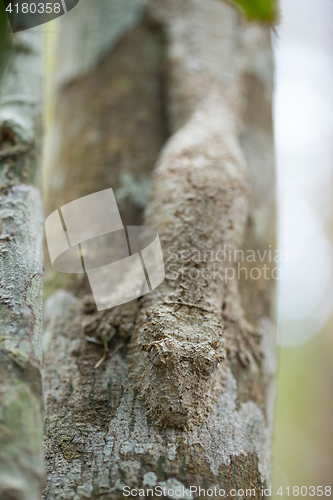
194,77
21,249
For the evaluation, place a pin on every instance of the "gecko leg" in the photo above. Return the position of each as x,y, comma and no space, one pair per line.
106,351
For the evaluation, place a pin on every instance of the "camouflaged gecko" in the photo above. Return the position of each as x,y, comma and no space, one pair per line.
200,201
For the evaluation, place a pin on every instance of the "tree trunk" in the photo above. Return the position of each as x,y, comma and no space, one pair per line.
185,396
21,296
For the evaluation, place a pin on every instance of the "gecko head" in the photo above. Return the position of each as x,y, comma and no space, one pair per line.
181,376
176,356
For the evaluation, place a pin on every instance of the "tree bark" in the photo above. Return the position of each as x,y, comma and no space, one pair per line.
21,248
192,77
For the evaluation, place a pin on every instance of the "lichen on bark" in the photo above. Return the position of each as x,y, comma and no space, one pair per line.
197,58
21,252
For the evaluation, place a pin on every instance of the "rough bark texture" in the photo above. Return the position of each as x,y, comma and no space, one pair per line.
199,411
21,250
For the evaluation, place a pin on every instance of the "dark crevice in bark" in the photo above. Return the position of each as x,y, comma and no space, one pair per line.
112,124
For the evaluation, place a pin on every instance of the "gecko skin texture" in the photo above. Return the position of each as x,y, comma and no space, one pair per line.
176,365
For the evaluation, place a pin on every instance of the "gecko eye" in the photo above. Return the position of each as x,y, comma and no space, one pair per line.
216,344
207,363
211,369
156,356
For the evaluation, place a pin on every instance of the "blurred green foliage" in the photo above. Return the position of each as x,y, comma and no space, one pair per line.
264,10
303,438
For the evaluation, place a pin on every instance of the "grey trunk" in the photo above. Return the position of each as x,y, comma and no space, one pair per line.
169,104
21,250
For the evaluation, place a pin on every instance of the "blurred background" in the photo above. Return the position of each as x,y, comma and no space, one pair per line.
303,112
303,437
